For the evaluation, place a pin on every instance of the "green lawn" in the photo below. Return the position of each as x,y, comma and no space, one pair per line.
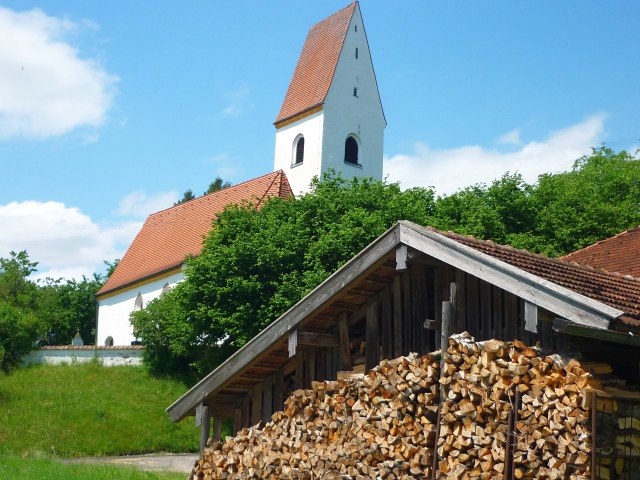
88,410
50,469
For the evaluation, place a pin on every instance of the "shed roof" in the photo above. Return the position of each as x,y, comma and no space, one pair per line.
584,295
313,74
620,253
168,236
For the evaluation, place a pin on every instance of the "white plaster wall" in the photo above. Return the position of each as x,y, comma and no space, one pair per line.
104,356
346,114
113,312
300,176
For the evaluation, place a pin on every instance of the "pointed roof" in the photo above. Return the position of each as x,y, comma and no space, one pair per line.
168,236
317,63
620,253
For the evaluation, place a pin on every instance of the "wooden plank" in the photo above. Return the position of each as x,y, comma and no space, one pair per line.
267,398
372,353
441,294
310,370
498,313
357,268
460,303
416,303
397,316
546,334
256,404
321,363
473,306
510,316
406,316
386,324
345,342
300,380
293,342
330,371
543,293
401,257
237,421
246,411
485,311
205,429
217,428
445,332
317,339
530,317
278,390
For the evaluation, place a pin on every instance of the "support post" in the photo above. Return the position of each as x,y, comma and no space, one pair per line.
217,428
372,355
205,428
256,404
347,364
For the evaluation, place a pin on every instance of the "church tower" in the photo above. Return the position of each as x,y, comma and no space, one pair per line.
332,116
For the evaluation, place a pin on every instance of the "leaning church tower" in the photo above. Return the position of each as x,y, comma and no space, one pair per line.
332,116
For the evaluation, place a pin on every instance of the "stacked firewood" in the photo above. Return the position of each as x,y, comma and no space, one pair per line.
550,437
381,424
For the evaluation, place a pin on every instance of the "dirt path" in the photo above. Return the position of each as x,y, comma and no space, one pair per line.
168,462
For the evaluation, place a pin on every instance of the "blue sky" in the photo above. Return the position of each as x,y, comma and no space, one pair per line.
110,110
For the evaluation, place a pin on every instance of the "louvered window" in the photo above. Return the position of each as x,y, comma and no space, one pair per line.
351,150
299,151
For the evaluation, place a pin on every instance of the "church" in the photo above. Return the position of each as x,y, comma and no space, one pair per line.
331,119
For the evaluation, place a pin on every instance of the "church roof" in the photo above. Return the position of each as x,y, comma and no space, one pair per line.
168,236
620,254
317,63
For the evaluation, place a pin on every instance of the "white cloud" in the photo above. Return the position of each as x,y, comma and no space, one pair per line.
510,138
457,168
64,241
139,204
239,102
46,89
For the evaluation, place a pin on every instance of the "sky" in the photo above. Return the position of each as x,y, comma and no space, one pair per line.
109,111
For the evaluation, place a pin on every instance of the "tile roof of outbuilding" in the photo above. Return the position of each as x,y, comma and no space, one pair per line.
620,253
317,63
168,236
613,289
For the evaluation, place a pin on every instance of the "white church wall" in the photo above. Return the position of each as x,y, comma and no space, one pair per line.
299,176
113,311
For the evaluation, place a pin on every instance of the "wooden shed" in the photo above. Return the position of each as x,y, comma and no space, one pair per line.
389,301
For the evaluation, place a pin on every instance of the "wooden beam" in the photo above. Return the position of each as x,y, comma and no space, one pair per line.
485,311
293,342
205,428
401,257
397,316
278,390
217,428
345,345
317,339
372,354
267,398
387,324
237,421
256,404
530,317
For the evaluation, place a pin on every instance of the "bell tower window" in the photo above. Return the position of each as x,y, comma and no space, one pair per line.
299,151
351,150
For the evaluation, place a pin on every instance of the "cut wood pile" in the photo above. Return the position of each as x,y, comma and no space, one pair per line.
383,424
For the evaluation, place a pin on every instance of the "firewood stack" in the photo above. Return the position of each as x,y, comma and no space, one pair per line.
380,425
479,383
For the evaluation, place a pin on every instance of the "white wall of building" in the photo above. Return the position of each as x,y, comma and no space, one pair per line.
113,311
299,176
107,356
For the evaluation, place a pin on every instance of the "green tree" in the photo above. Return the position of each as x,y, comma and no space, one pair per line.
20,325
186,196
217,184
256,263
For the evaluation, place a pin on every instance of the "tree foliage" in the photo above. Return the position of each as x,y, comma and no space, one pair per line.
217,184
256,263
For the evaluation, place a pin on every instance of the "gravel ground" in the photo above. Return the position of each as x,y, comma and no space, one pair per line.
169,462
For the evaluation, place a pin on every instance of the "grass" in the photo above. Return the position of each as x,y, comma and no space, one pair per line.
51,469
90,410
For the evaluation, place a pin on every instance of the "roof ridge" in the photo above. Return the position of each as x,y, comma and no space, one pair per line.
600,242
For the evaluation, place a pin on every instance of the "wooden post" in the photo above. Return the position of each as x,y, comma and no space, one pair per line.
406,316
237,420
498,313
267,398
473,306
510,316
530,317
397,317
205,428
300,368
401,257
246,407
278,390
445,333
345,346
217,428
256,404
372,355
293,343
485,310
387,331
460,303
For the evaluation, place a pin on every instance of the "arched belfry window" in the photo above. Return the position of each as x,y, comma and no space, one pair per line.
166,289
351,150
299,151
137,306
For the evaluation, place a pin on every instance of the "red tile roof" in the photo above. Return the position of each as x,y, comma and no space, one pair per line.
620,253
168,236
615,290
316,65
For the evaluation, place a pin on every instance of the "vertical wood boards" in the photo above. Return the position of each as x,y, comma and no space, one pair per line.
372,352
345,346
416,303
485,310
237,420
460,303
205,428
321,363
310,370
217,428
498,313
406,313
546,334
473,306
246,411
256,403
267,398
429,309
441,294
397,316
293,343
386,324
530,323
510,316
330,369
278,390
300,368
